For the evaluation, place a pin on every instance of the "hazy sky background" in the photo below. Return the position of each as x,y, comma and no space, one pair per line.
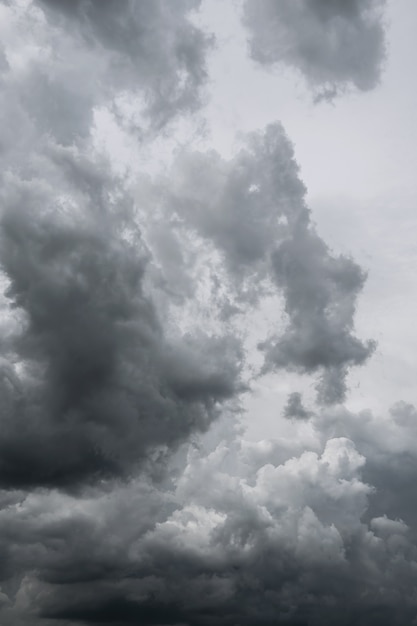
207,390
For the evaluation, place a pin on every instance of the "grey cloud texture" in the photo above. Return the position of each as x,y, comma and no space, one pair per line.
388,443
321,292
149,46
94,385
97,383
334,44
144,61
252,210
128,493
265,542
295,408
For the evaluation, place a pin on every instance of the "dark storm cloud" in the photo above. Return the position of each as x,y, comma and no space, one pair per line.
332,43
264,542
150,45
253,210
118,504
92,382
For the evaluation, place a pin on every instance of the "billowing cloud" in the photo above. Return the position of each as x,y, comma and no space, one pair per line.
93,382
332,43
320,291
265,542
252,210
295,408
128,493
150,46
145,62
388,443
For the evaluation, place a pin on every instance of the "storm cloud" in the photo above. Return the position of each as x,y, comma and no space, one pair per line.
131,335
150,46
276,536
295,409
89,385
252,210
334,44
143,62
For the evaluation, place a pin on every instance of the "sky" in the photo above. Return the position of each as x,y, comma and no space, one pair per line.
207,403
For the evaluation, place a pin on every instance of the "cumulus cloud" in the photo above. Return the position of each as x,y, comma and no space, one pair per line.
264,542
253,212
128,491
332,43
388,443
144,62
93,382
151,46
321,292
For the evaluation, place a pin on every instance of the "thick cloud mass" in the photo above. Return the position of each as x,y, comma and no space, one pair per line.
151,46
275,537
320,295
143,61
96,383
128,493
333,43
93,382
252,209
388,442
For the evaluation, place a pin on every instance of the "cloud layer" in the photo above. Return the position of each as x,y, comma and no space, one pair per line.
128,492
93,383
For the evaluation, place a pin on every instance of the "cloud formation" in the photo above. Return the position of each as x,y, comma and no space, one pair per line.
143,62
149,46
93,382
128,492
295,409
334,44
266,541
253,212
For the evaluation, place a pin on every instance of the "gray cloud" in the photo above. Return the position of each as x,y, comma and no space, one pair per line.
388,443
145,62
332,43
96,382
263,543
320,293
149,46
252,209
295,408
128,493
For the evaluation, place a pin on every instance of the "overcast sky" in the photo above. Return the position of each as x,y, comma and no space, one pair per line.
207,251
